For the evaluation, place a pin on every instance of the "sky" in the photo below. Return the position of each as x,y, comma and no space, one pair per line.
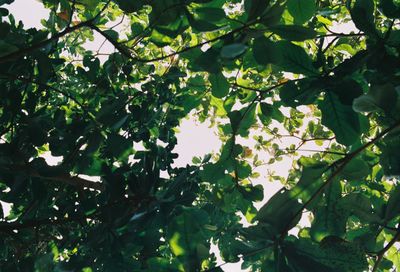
194,138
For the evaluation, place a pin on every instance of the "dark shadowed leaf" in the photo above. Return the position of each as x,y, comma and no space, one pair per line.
341,119
294,59
294,32
219,85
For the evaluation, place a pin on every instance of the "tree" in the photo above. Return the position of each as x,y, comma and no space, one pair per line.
238,64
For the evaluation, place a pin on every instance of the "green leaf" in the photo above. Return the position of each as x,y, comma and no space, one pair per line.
4,29
268,112
158,264
343,255
303,261
2,2
301,92
210,14
380,97
333,254
385,96
243,170
365,103
186,232
6,48
129,6
44,66
356,169
392,206
359,205
242,120
390,8
351,65
294,59
232,51
362,14
346,90
294,32
310,181
280,212
301,10
341,119
264,113
201,25
329,219
207,61
212,172
118,145
265,51
390,159
281,209
255,8
274,14
219,85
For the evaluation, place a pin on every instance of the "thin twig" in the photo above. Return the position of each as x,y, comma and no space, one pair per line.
27,50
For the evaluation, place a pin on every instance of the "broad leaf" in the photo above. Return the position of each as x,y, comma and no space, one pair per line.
255,8
301,10
233,50
219,85
341,119
392,206
390,8
294,59
362,14
294,32
265,51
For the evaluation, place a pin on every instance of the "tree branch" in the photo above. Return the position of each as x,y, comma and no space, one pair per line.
383,251
64,178
343,162
22,52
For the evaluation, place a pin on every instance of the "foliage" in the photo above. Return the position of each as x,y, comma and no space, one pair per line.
251,68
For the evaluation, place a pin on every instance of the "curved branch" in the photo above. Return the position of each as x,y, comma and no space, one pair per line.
342,164
268,89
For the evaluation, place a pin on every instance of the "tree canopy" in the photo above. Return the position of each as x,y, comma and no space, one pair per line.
251,68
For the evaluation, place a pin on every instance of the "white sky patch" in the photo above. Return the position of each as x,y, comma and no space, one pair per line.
6,208
91,178
195,139
345,28
51,160
30,12
342,28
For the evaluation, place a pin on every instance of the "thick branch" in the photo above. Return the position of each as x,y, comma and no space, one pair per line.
10,226
73,180
64,178
127,53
